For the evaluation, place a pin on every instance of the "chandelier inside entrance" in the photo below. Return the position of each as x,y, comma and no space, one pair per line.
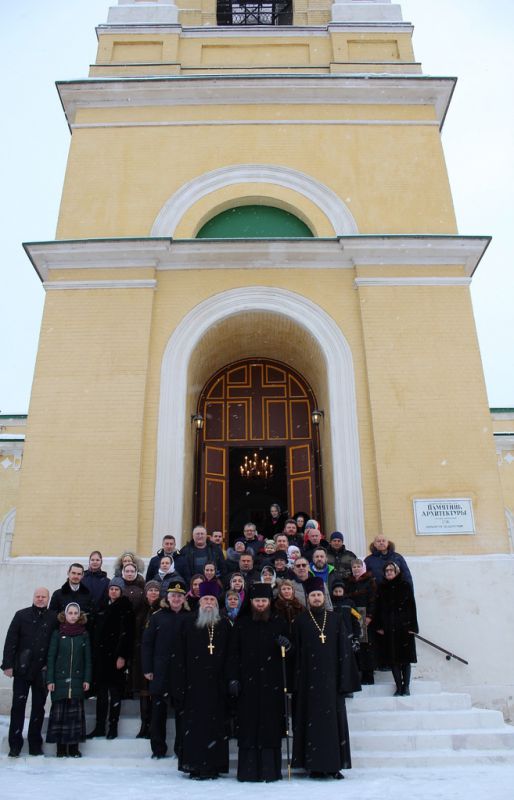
256,467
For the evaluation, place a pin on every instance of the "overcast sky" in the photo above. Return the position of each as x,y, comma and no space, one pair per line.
48,40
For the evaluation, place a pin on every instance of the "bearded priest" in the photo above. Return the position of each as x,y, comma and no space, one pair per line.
325,673
199,688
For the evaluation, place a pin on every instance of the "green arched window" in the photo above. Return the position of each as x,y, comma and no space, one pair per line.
254,222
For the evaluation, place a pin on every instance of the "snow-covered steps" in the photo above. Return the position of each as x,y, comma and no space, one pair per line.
428,727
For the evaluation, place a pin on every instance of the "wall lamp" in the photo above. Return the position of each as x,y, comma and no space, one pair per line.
197,421
317,415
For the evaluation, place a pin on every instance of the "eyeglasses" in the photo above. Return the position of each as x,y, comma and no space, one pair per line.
301,566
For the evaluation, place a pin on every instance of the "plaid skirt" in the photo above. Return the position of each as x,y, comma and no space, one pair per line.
67,722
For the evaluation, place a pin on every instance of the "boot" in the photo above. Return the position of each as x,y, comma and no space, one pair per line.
146,711
112,733
73,751
98,730
62,751
406,679
397,675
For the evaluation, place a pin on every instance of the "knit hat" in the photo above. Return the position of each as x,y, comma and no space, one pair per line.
311,523
314,585
119,582
258,590
337,535
210,589
152,585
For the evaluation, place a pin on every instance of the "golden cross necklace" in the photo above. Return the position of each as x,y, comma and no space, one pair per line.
322,629
210,646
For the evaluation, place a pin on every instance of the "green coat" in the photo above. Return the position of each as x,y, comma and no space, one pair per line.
69,665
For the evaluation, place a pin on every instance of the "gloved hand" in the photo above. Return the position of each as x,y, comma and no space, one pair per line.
284,642
356,645
234,687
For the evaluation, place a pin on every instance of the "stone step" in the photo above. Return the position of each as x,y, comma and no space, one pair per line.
456,739
385,686
428,702
431,758
425,720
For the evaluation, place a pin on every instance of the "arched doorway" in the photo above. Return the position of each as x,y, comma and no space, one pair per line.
256,409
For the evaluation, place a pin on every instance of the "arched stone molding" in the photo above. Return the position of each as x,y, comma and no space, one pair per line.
342,413
325,199
6,534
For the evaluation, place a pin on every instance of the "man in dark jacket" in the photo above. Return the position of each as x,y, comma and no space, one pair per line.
159,639
195,555
339,556
169,548
73,591
24,660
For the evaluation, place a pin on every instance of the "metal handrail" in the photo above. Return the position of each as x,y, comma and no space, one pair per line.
449,655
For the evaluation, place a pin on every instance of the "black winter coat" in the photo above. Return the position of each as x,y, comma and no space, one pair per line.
112,639
376,562
185,562
27,642
61,597
396,616
159,639
363,592
98,583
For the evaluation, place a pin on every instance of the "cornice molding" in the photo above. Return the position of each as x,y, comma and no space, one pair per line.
250,32
255,89
127,284
412,281
343,252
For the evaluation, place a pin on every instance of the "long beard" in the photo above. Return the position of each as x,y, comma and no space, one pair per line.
207,616
261,616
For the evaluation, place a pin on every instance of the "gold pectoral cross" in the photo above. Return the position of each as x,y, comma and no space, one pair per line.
322,637
210,648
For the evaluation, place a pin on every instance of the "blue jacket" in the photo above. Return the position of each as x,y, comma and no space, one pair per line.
376,561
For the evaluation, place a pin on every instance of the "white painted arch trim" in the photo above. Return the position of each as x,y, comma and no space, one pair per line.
341,417
327,200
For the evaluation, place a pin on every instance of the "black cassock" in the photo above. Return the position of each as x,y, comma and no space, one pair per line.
256,662
199,689
324,672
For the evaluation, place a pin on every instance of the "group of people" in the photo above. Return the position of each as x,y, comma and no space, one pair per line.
254,643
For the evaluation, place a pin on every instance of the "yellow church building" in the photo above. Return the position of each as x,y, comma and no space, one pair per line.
257,256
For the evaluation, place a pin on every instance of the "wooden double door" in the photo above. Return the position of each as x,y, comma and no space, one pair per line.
256,407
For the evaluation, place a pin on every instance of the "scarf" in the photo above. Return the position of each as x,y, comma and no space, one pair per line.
68,629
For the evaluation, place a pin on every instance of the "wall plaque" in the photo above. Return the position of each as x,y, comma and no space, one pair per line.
443,516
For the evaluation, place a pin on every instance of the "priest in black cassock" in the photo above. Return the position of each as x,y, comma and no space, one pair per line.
200,690
255,677
325,672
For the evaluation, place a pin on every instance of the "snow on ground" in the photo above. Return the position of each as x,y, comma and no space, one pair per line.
23,780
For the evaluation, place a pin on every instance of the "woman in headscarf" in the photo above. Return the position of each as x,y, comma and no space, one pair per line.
68,678
361,587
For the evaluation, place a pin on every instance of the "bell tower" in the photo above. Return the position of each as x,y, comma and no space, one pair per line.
248,183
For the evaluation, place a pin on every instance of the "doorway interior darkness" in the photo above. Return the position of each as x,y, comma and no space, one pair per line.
250,498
